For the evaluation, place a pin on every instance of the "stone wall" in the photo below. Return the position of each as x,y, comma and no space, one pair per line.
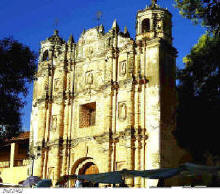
14,175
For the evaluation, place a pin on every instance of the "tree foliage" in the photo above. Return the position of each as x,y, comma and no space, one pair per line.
206,12
17,67
199,83
199,99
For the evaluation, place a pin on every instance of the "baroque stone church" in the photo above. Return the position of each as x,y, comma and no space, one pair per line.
106,102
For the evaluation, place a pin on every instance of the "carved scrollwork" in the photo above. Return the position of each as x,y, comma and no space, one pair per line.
80,81
159,26
75,142
89,52
57,52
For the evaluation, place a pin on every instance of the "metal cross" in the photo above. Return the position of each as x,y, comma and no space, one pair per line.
56,22
98,16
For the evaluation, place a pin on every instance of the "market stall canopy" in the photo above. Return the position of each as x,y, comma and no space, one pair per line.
31,180
116,177
108,178
44,183
195,169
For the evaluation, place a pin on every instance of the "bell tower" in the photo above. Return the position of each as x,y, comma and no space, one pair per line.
154,22
156,63
48,93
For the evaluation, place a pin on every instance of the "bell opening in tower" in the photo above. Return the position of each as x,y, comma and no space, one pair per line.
145,25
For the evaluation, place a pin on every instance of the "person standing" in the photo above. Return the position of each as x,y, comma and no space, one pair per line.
78,183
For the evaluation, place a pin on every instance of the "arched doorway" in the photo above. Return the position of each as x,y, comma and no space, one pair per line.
85,166
89,168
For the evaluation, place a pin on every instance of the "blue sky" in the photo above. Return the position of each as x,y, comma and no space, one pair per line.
31,21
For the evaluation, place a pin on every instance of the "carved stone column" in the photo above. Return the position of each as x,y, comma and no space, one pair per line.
65,134
137,127
38,164
59,132
47,134
143,133
57,162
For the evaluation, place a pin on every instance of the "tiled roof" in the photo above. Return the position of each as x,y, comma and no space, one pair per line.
21,136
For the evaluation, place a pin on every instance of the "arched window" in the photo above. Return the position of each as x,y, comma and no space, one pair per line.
45,55
145,25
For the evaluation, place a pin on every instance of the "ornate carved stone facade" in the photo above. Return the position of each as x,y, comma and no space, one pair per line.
106,102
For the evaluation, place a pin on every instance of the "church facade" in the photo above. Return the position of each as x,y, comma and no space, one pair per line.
106,102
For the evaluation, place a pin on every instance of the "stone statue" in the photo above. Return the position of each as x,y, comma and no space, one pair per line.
123,68
54,122
122,111
89,77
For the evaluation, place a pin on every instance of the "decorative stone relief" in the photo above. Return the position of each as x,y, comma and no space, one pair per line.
122,66
89,52
155,160
122,111
104,147
46,85
89,77
159,26
54,122
57,52
80,80
56,84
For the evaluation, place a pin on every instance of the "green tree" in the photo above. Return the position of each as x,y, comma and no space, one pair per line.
17,68
199,83
199,99
205,12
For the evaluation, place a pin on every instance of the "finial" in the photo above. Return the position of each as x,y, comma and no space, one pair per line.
98,16
125,30
101,28
56,32
56,25
115,25
56,38
126,33
84,31
71,40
